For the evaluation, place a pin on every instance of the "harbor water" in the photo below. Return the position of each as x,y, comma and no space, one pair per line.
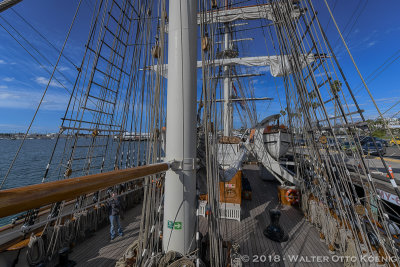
30,166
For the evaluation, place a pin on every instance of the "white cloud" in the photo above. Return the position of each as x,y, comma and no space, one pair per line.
322,74
393,29
386,99
11,127
44,81
3,86
8,79
2,61
62,68
263,69
7,96
29,99
371,43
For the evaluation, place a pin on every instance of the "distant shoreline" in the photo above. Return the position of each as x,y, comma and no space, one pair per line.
18,136
50,136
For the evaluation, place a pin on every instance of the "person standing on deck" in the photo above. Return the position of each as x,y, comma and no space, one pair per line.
114,205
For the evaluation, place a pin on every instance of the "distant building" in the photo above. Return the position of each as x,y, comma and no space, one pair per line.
393,123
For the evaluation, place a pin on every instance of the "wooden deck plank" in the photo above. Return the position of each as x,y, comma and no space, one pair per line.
303,237
100,251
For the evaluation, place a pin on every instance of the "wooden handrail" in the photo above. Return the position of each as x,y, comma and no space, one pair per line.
20,199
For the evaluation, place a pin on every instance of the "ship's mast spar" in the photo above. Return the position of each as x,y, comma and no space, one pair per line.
228,116
180,181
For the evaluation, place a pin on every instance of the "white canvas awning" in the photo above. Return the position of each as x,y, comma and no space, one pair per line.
279,65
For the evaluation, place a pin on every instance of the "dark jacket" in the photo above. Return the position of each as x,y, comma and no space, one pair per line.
114,206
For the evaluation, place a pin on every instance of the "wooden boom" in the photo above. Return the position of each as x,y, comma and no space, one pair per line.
19,199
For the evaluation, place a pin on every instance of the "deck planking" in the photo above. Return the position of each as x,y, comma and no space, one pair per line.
99,251
303,237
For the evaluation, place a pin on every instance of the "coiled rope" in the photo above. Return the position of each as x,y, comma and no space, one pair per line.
36,252
130,255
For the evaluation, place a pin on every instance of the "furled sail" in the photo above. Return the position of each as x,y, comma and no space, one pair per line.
244,13
279,65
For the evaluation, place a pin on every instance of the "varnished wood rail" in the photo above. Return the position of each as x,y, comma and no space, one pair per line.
20,199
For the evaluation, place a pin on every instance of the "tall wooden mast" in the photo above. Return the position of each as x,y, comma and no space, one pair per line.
228,116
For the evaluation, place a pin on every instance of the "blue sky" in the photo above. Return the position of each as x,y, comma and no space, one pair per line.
373,39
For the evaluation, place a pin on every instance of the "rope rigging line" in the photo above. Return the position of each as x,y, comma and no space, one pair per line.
40,64
286,44
41,100
44,37
365,86
116,118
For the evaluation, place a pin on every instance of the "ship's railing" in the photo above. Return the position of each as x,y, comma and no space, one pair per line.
15,200
15,236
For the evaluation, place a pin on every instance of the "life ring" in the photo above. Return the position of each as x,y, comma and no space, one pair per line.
292,196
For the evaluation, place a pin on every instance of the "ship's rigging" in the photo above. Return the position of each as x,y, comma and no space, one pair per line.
121,87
